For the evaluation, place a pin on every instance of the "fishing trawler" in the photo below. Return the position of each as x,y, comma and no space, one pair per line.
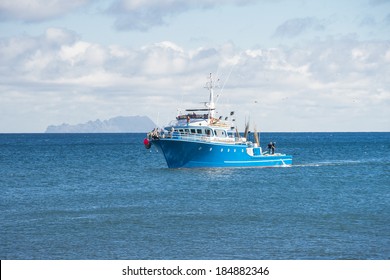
198,138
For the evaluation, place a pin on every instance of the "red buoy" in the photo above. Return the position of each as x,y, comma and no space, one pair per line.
147,143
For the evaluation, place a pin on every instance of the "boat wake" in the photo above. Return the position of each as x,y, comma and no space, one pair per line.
329,163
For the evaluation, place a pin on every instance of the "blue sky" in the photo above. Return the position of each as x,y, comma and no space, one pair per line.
287,65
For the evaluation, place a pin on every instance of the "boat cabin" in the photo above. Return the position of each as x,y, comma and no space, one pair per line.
206,133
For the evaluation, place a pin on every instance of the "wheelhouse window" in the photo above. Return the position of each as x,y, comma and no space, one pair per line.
209,132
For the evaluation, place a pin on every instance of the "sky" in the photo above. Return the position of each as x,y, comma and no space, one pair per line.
284,65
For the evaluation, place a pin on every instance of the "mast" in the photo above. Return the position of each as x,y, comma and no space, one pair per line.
211,105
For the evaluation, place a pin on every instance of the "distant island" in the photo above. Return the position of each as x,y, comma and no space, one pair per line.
113,125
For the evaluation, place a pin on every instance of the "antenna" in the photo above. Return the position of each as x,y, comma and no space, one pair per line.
223,86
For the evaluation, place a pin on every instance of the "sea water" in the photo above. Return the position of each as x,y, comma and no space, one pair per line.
104,196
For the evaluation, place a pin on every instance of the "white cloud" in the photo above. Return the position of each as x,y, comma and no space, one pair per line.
36,10
59,36
59,78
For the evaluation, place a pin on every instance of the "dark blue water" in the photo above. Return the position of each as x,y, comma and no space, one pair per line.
103,196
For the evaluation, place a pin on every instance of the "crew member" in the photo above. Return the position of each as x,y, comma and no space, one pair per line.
269,147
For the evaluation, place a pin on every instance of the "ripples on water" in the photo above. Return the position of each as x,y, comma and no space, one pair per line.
103,196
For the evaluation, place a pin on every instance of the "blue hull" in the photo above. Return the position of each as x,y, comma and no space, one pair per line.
183,153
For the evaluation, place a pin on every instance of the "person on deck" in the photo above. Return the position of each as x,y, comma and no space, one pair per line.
273,147
269,147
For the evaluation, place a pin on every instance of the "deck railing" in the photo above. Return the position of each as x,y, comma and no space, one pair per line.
202,137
